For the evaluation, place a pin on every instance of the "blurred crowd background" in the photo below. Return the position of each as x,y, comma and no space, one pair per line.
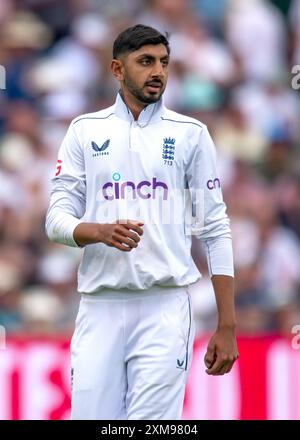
231,68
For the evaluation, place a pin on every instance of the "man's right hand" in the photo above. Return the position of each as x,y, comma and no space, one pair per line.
123,234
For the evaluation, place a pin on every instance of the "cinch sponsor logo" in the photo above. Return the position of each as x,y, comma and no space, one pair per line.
145,189
212,184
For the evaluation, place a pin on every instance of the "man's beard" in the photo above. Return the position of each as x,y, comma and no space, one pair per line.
138,93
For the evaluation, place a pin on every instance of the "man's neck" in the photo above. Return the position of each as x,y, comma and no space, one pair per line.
132,103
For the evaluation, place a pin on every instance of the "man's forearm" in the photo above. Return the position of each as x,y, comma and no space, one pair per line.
87,233
222,349
224,293
123,234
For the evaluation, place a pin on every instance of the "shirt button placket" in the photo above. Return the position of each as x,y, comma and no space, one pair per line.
134,137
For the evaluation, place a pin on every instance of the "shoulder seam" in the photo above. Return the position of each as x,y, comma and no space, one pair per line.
182,122
105,117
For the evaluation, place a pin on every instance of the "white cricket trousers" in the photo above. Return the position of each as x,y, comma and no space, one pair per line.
131,353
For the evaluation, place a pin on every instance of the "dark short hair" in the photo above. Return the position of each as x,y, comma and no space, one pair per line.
133,38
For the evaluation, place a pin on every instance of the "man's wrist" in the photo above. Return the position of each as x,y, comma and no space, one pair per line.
99,232
88,233
230,325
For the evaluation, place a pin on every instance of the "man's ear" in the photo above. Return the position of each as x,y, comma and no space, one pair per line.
117,69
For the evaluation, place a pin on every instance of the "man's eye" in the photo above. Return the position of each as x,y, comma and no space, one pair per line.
145,62
165,63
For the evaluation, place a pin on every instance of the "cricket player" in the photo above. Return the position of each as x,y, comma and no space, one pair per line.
117,193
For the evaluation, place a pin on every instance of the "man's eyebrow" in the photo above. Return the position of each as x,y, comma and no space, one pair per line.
152,57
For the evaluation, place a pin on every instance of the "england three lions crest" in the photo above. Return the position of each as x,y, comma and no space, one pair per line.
168,152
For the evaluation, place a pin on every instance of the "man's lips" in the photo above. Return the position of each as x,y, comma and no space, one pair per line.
154,86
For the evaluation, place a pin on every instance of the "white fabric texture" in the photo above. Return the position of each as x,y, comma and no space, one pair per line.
112,167
131,353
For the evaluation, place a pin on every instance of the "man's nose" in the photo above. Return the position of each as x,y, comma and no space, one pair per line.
158,70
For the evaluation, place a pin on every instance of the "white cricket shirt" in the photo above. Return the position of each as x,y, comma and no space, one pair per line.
160,169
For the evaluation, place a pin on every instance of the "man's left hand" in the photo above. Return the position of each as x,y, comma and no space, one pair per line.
221,352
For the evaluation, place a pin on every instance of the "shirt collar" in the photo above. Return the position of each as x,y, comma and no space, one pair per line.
151,113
